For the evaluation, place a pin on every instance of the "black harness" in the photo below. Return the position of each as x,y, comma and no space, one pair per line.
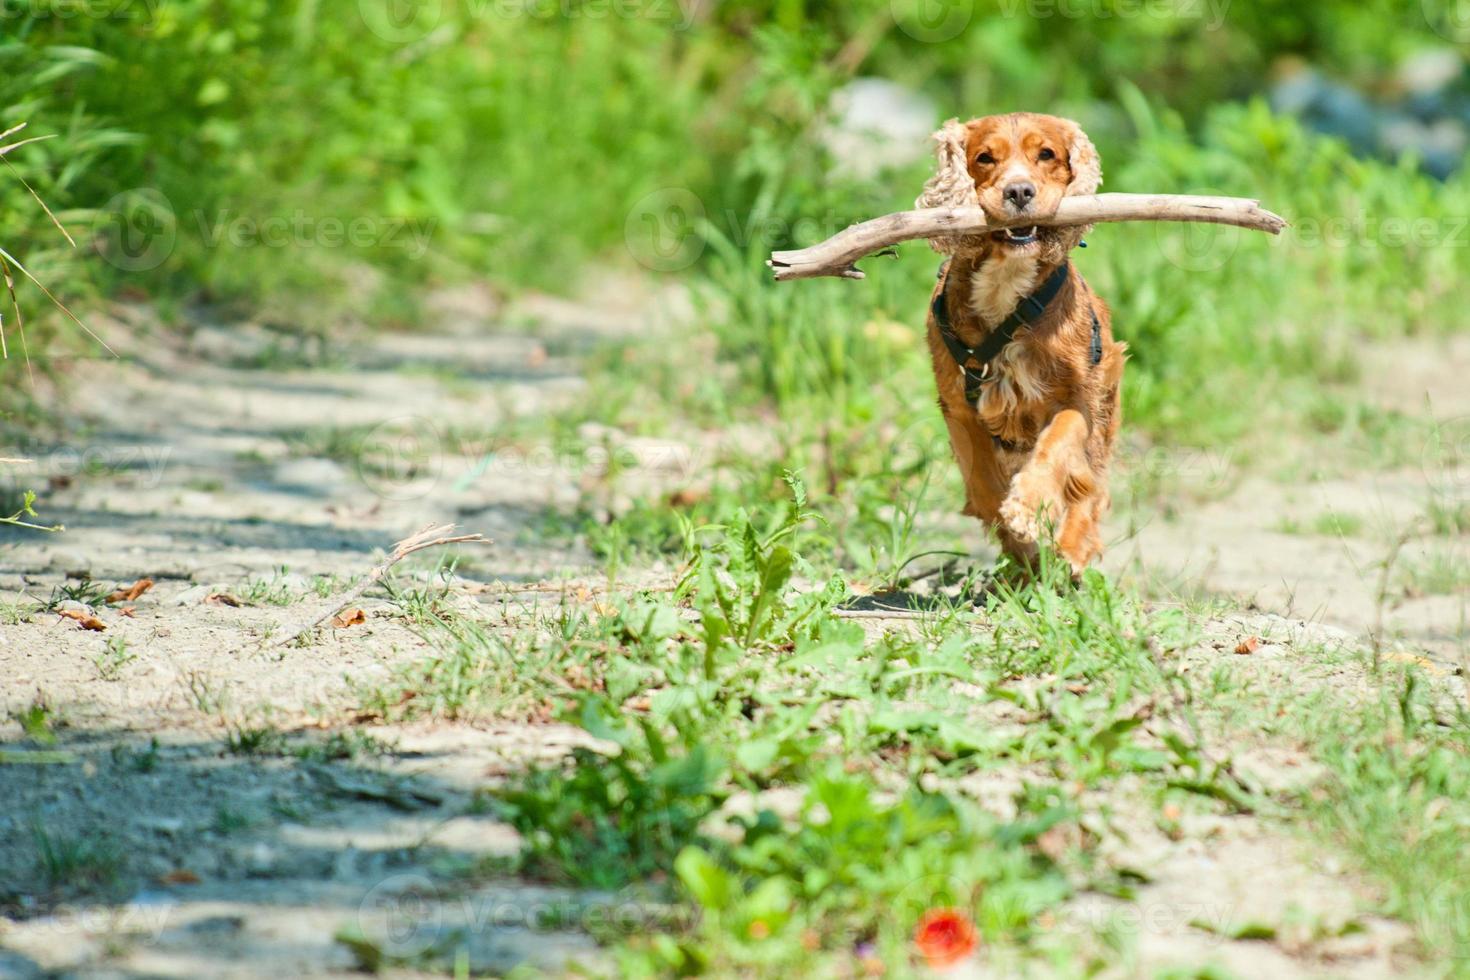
977,362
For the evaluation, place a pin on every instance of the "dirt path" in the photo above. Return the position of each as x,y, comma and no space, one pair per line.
219,466
213,477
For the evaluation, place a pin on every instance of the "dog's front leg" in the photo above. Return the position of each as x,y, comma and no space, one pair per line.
1056,475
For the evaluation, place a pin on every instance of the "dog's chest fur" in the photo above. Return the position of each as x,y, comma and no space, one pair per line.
1014,406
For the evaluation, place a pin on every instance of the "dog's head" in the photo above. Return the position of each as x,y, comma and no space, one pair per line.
1012,166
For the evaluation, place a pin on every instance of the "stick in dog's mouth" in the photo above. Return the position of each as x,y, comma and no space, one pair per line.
837,256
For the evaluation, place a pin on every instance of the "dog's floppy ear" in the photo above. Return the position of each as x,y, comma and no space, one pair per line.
1084,162
951,186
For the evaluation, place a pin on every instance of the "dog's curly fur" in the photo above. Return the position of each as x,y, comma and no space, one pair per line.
1034,452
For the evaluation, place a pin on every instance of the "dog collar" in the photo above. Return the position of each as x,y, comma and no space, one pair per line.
977,362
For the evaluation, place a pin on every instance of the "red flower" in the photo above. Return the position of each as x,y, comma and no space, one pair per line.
944,937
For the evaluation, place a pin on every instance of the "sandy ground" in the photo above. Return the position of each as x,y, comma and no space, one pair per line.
197,467
1254,534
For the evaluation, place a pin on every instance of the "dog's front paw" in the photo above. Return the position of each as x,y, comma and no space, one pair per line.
1021,518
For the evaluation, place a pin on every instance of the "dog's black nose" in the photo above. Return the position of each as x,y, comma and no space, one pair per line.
1019,194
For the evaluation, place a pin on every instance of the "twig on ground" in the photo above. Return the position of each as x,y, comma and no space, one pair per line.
836,256
1385,584
550,588
433,536
883,613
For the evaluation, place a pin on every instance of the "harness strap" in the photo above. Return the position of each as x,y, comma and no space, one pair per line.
975,362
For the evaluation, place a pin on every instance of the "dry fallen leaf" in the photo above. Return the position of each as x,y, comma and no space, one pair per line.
224,599
127,611
1054,842
349,617
132,592
85,620
688,497
179,876
1414,660
1248,646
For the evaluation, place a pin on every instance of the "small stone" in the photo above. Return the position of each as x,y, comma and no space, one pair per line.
194,595
878,124
1430,70
162,825
316,475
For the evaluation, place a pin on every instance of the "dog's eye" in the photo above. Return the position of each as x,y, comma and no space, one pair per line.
985,158
1046,154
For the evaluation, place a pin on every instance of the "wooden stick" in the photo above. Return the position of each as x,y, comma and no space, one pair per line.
836,256
433,536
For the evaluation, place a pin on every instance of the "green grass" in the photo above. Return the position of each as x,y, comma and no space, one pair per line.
714,692
115,655
38,720
87,592
1448,518
64,861
282,589
1328,524
747,683
1438,571
139,760
14,612
482,672
423,605
263,740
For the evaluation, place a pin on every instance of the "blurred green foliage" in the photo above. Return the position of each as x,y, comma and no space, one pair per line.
316,161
